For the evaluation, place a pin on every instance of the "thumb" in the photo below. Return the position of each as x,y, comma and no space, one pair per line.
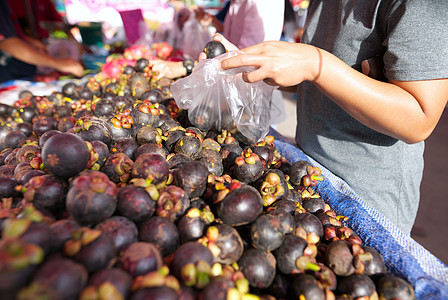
227,44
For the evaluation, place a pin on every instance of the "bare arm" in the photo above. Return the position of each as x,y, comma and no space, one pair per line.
26,53
408,111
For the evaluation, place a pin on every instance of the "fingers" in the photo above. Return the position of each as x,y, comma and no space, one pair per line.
79,71
201,56
257,75
244,59
158,67
227,44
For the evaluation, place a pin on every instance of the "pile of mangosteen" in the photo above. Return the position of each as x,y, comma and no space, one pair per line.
109,192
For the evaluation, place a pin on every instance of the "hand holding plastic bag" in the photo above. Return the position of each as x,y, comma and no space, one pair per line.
221,99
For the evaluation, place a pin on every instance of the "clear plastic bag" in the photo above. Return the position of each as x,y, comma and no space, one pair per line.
221,99
194,37
146,35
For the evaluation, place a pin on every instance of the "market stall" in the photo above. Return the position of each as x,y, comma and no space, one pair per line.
403,256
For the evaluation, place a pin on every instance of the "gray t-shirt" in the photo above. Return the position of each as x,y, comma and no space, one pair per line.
411,38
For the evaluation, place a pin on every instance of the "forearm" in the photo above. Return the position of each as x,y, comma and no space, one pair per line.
24,52
385,107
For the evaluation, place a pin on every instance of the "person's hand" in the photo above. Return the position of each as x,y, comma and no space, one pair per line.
220,38
169,69
278,63
68,65
227,44
200,13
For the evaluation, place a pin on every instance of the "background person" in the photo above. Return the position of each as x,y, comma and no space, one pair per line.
19,57
246,23
365,126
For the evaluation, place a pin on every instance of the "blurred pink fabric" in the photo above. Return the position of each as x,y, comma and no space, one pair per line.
249,22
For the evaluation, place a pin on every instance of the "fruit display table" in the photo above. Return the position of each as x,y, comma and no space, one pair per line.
403,256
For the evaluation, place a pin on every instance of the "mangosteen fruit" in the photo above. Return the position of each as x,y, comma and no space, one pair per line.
115,280
158,292
47,192
65,155
92,198
391,287
121,230
118,167
189,145
135,202
305,286
192,178
62,231
288,253
70,90
19,260
309,227
102,150
172,202
8,186
287,223
104,108
313,205
93,128
272,186
14,139
61,277
154,95
161,232
44,137
356,286
126,145
375,265
38,233
91,248
214,48
176,161
42,124
140,258
266,232
339,257
150,166
151,148
240,206
121,125
141,64
225,243
258,267
187,257
149,134
193,224
303,173
138,84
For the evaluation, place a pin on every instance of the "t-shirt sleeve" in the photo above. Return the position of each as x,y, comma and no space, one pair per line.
7,29
417,41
